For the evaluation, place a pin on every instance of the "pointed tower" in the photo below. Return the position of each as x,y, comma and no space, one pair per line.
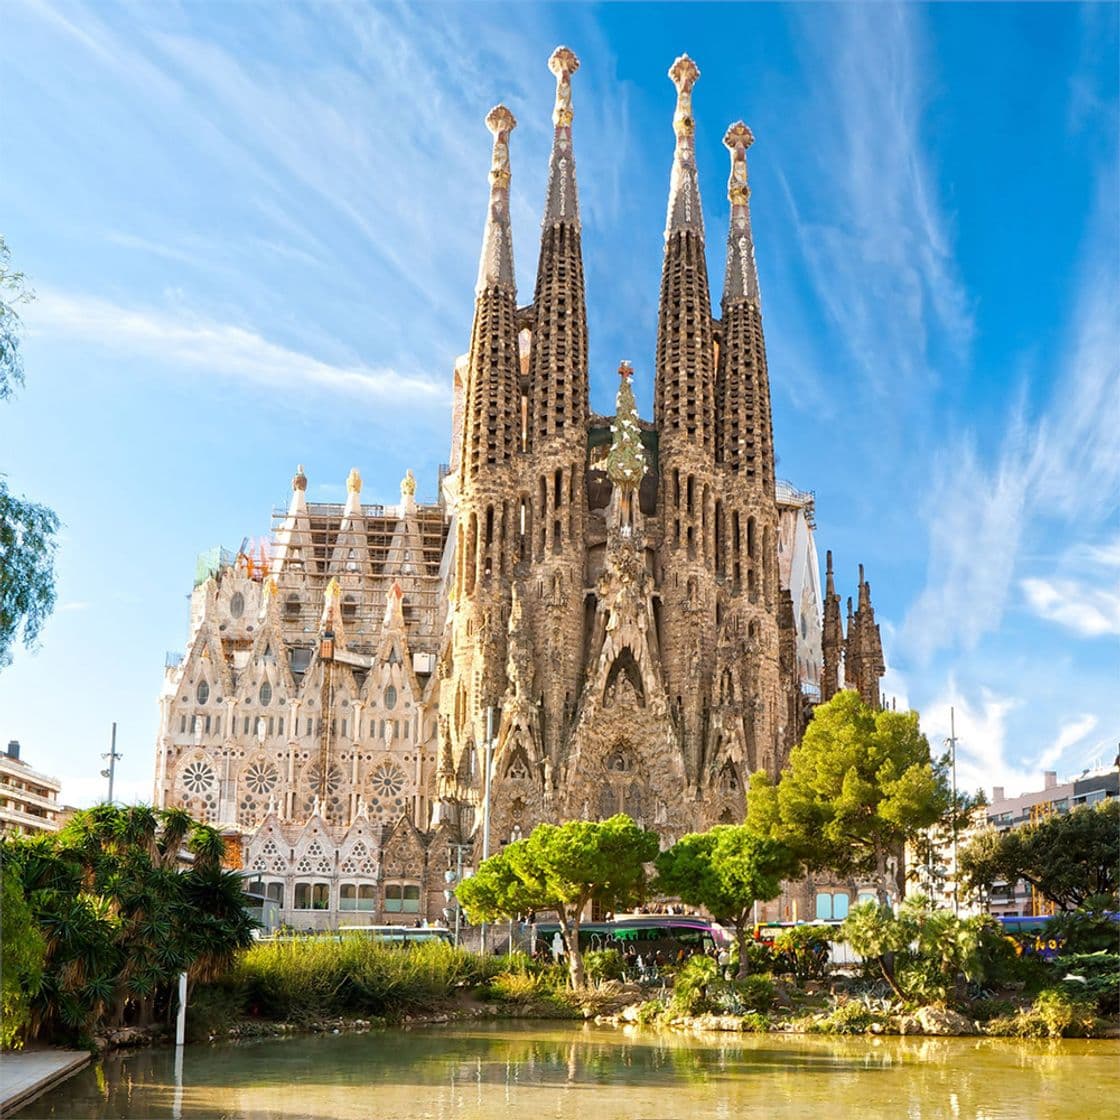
683,395
832,637
552,506
744,435
557,396
684,412
488,481
492,420
865,640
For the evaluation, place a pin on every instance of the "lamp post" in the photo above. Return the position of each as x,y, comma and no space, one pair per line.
453,877
112,756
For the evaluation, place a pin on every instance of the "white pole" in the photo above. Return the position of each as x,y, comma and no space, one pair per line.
181,1020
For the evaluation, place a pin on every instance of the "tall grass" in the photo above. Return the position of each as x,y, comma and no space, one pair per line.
299,980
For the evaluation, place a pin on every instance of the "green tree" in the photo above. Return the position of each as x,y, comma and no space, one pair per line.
1069,858
27,530
858,786
563,868
726,870
122,917
22,951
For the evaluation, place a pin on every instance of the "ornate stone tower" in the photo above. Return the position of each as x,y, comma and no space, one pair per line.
472,668
553,505
684,407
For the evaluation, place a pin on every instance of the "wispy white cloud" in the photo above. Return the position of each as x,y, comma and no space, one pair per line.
1061,468
75,605
878,242
980,721
220,349
1069,735
975,524
1088,611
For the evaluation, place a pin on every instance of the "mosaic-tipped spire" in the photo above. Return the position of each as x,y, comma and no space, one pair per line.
684,389
684,187
740,281
562,201
495,268
557,361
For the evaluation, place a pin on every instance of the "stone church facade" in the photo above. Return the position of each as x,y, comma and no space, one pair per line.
598,613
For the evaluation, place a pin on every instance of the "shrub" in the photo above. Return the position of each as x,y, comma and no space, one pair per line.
604,964
755,1023
804,951
738,997
760,957
1090,976
850,1017
1054,1015
690,988
650,1011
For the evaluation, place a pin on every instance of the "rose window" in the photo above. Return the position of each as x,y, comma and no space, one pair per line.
197,777
387,780
261,777
314,779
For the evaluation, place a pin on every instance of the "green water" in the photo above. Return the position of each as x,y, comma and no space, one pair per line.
535,1071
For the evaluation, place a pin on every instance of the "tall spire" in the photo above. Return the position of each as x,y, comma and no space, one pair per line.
684,187
562,203
744,433
495,268
684,394
492,421
741,278
832,635
557,393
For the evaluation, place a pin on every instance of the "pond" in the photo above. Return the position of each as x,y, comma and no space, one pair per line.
532,1070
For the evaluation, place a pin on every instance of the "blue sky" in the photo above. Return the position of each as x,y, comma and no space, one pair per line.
254,229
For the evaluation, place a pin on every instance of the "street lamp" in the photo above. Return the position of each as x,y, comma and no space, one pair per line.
112,756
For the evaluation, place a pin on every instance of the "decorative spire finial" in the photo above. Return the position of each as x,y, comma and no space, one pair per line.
496,266
684,189
740,281
562,201
299,480
408,484
563,63
353,481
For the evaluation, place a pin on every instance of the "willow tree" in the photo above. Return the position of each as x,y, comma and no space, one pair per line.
563,868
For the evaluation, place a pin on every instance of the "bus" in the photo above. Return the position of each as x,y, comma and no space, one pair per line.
648,934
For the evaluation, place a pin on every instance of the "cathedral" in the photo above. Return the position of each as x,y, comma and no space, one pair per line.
594,614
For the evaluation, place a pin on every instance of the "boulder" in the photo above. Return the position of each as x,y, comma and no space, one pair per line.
944,1021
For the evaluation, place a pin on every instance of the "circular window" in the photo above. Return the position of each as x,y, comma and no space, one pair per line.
261,777
390,698
265,694
387,780
236,604
202,693
197,777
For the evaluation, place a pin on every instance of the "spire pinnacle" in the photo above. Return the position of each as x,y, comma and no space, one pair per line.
684,189
562,203
830,583
495,269
626,461
741,278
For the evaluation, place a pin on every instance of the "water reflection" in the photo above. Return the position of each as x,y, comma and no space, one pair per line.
594,1073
